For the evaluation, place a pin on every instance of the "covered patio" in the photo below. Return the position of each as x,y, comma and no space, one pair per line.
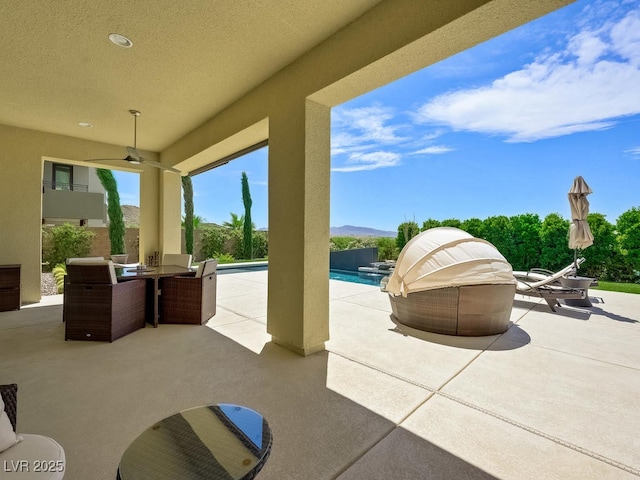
554,397
213,79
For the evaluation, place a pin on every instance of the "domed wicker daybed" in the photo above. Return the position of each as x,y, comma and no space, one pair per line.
447,281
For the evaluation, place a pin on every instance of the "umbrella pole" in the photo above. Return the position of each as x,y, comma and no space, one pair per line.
575,261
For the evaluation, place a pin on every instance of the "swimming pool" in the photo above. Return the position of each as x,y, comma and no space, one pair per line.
342,275
356,277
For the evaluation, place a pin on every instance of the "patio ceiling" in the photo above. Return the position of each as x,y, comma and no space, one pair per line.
189,60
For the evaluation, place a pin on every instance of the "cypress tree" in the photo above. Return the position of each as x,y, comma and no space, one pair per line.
247,227
114,211
187,192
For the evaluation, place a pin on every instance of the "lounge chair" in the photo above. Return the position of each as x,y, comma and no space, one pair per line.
543,284
446,281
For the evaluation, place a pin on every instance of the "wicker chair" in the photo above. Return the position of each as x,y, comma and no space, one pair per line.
189,300
97,307
32,448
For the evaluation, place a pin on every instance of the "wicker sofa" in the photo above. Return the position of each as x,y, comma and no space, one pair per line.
34,456
446,281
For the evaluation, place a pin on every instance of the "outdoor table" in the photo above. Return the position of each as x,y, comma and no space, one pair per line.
153,274
580,283
221,441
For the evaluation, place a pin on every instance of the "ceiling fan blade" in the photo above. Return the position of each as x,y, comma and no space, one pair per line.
103,160
159,165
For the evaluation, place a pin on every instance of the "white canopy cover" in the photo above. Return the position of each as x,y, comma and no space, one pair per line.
447,257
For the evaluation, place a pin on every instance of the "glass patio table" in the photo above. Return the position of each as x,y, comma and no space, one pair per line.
214,442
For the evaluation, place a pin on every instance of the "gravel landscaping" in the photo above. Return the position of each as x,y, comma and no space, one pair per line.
48,284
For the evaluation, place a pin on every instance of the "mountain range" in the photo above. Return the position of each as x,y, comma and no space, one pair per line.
132,219
351,231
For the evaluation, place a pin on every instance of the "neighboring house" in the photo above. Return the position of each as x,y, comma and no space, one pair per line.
72,194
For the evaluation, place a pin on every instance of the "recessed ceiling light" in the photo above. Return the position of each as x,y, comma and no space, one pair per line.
120,40
85,124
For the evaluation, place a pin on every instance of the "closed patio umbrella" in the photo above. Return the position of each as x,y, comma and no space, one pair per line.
580,236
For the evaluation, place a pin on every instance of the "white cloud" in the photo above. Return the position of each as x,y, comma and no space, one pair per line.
633,151
584,88
363,128
369,161
433,150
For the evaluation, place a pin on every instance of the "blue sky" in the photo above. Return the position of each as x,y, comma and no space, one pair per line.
500,129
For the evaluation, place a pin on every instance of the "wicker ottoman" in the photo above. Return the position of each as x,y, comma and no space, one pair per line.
471,310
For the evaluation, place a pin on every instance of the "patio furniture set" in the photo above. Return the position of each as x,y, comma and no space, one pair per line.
104,302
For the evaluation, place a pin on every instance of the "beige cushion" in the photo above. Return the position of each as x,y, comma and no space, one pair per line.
207,267
177,259
8,437
83,259
34,450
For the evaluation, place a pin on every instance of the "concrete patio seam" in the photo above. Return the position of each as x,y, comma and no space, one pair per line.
497,416
563,352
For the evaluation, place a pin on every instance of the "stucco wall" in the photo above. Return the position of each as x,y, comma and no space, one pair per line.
22,153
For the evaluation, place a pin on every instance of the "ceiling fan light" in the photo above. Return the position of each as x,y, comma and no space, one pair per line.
120,40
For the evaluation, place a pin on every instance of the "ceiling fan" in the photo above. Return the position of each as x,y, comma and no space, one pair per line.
133,156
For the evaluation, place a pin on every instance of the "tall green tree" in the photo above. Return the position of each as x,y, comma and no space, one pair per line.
406,231
554,243
187,192
599,255
114,211
628,227
247,227
526,241
473,226
451,222
430,223
499,231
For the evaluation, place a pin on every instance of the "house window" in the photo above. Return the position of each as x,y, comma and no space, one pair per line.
62,177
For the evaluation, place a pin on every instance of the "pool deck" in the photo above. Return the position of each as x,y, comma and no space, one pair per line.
555,397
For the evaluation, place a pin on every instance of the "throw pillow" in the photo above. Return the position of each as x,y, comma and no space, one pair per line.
8,437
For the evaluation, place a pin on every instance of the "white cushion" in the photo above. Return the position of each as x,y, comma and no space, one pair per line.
83,259
177,259
8,437
35,452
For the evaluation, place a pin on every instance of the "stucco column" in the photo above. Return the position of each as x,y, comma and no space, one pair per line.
149,232
160,212
170,213
299,173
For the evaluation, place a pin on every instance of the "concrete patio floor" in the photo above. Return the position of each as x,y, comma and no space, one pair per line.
555,397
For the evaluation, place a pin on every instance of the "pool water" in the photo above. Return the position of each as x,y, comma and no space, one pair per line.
356,277
342,275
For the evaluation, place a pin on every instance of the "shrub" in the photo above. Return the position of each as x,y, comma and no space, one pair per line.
406,231
224,258
387,249
213,241
260,244
66,241
59,272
